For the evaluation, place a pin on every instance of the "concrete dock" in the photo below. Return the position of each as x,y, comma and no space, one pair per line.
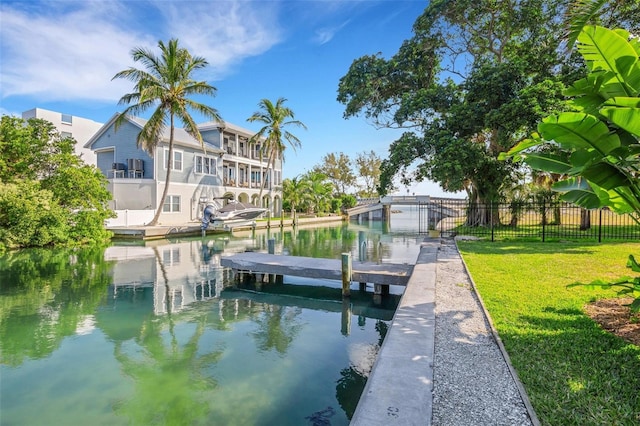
400,387
310,267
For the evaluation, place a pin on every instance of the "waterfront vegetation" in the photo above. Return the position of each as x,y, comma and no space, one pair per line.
573,371
48,195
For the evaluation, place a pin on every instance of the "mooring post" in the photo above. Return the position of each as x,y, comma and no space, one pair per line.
271,248
346,274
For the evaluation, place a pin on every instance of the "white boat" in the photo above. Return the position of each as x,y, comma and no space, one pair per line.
234,213
236,210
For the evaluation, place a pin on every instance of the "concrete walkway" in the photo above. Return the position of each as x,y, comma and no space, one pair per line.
399,389
441,362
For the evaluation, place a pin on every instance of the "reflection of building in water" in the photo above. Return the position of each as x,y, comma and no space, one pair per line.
180,273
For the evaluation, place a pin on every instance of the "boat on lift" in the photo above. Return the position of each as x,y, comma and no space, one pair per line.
236,210
233,213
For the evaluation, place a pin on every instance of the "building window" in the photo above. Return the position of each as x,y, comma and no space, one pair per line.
66,135
206,165
171,257
66,118
171,204
176,164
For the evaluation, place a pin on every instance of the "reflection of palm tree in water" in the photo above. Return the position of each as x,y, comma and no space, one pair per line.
278,327
171,386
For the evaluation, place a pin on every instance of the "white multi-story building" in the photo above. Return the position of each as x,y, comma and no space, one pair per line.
81,129
227,166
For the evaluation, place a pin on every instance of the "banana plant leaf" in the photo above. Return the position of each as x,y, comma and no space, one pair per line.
606,176
603,48
548,162
572,130
626,118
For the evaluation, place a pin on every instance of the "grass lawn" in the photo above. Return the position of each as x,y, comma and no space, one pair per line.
574,372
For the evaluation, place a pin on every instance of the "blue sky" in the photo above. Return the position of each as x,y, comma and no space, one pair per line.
61,55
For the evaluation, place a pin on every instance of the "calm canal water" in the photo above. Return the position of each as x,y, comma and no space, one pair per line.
158,332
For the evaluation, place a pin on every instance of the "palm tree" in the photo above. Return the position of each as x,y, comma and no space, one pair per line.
320,188
296,192
270,137
166,84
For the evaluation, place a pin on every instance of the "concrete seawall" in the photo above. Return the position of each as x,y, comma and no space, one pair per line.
143,232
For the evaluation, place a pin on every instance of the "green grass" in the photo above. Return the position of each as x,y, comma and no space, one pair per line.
574,372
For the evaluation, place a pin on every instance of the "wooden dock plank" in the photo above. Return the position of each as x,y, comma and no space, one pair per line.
311,267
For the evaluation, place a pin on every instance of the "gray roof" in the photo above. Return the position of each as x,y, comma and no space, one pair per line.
180,135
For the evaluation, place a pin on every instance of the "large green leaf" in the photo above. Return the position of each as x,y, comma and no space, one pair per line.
609,50
547,162
585,199
574,130
627,118
578,191
582,158
521,146
623,101
620,200
605,176
572,184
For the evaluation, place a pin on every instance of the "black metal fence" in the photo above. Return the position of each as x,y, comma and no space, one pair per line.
531,221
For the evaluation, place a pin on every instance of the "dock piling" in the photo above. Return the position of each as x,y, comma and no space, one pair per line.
346,274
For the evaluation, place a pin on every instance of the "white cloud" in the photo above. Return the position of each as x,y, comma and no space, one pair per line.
64,56
224,32
324,35
71,50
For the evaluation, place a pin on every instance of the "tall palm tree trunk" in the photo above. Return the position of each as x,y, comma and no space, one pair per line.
165,191
270,165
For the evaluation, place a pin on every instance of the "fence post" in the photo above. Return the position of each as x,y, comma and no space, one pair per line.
544,219
491,220
600,225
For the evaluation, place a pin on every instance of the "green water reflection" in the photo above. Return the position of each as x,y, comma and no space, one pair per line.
157,333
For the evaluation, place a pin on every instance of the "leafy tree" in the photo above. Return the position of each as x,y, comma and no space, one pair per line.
28,148
166,84
48,195
273,134
320,190
597,141
295,193
337,168
472,80
368,166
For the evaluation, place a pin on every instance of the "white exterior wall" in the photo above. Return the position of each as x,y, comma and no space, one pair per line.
81,129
